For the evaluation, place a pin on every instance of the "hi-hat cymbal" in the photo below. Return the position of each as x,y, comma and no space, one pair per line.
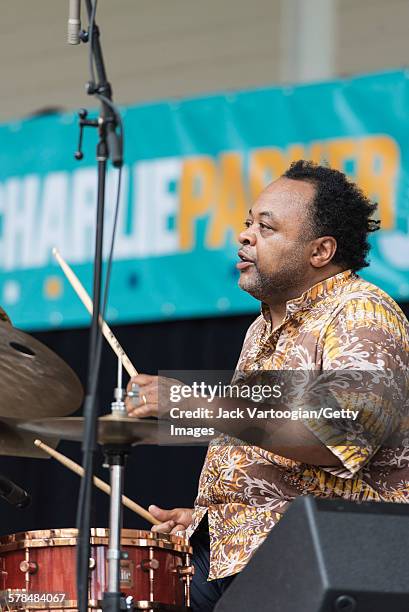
112,429
35,382
18,443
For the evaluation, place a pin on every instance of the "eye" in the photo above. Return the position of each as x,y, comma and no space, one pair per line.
248,223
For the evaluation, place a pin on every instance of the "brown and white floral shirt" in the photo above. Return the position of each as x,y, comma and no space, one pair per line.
342,323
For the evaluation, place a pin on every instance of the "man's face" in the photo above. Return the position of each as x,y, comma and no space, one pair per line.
275,242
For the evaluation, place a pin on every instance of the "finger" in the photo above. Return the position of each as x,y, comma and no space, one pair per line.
134,403
138,402
162,514
143,379
133,398
178,528
133,381
144,411
165,527
130,383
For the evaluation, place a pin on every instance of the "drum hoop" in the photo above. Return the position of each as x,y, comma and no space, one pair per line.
44,538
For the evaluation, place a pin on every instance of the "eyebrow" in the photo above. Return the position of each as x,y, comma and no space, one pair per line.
265,213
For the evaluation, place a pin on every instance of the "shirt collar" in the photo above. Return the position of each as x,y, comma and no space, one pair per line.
313,295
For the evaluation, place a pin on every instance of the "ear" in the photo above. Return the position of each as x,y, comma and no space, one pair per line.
322,251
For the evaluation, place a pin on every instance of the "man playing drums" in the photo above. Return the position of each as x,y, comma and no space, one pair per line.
304,240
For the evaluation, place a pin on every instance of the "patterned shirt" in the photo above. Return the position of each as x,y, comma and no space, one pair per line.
342,323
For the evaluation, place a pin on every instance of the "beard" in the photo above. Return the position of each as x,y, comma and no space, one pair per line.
264,286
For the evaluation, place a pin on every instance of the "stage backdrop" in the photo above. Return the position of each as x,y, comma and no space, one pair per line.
193,167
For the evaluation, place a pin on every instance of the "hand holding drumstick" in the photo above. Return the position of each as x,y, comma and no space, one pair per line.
175,521
167,521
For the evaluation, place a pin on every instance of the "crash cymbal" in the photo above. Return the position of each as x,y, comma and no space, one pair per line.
18,443
35,382
111,430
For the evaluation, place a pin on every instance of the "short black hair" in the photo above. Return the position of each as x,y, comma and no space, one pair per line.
340,209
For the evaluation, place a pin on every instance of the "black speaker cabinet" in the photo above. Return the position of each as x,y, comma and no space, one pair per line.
328,556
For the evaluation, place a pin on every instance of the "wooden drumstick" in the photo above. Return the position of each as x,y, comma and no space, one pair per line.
103,486
86,300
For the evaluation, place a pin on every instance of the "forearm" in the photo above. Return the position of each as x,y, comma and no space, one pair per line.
254,423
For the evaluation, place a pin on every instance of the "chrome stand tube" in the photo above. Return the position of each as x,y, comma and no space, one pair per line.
115,527
115,458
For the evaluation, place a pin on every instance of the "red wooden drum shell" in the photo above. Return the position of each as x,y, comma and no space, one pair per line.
156,570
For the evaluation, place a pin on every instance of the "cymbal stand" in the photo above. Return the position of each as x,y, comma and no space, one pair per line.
118,405
115,458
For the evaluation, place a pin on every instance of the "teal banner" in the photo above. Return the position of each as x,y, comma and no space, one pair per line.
193,167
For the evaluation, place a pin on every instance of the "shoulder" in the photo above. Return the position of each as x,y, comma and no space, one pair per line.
363,304
367,327
358,289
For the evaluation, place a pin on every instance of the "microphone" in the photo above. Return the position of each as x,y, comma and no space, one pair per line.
74,22
13,494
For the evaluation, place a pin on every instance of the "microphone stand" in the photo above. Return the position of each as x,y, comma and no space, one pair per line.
109,146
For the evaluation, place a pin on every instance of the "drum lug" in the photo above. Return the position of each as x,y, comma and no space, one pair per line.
185,570
149,564
92,563
185,573
28,567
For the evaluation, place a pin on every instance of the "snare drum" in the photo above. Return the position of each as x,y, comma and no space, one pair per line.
38,570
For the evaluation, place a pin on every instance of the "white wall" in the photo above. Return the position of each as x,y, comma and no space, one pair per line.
156,49
372,35
153,49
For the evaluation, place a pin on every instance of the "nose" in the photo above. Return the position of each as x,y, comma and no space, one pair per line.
247,237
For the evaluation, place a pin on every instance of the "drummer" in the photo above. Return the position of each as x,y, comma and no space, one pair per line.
304,240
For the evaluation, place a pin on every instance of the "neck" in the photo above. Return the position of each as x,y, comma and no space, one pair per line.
277,304
277,314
